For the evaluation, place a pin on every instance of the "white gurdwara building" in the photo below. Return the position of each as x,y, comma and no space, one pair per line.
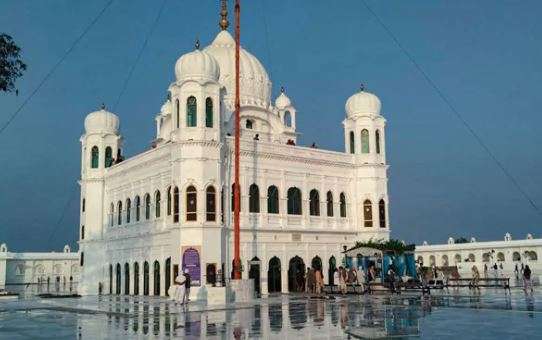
170,207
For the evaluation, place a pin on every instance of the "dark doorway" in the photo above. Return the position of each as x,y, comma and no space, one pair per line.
136,278
110,279
273,276
146,278
254,273
156,278
316,263
168,275
331,270
296,275
117,287
126,279
211,274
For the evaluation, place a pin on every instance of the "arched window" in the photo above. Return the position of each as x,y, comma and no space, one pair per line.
342,204
457,258
176,205
119,213
191,112
111,214
210,207
128,208
168,201
329,204
233,198
81,263
314,203
382,213
294,201
83,205
500,257
287,118
157,200
248,124
377,141
82,232
516,256
191,204
209,112
254,199
364,141
272,200
94,157
352,142
108,157
177,113
147,206
368,213
472,258
138,208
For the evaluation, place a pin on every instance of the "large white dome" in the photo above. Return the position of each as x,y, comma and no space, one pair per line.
102,121
362,103
254,81
197,65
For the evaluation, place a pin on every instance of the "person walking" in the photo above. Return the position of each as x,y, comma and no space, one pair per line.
336,278
391,279
310,281
180,283
361,279
319,281
527,283
342,280
352,278
187,284
475,277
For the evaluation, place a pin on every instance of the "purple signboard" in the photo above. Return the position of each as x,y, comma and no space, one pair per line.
191,265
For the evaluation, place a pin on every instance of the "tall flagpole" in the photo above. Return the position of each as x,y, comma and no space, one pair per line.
237,201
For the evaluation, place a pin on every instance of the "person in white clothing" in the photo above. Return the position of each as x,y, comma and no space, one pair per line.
179,294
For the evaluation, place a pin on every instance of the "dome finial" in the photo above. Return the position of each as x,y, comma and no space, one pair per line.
103,106
197,44
223,23
282,89
361,87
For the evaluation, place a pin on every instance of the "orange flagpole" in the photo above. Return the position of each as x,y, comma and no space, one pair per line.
237,201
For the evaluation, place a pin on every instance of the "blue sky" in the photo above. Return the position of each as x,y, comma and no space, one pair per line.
484,55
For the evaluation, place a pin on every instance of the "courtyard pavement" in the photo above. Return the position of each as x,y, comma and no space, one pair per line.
445,315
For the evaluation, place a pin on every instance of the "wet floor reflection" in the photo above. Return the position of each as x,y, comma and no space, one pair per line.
278,317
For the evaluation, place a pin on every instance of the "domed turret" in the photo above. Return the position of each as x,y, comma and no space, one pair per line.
362,103
102,121
282,100
254,81
197,65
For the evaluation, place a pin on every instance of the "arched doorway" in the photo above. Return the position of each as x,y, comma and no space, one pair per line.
156,278
254,273
126,279
274,284
331,270
110,279
168,274
117,286
146,278
136,278
296,275
316,263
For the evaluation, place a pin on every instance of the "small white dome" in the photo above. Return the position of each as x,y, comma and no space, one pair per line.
362,103
282,100
102,121
197,65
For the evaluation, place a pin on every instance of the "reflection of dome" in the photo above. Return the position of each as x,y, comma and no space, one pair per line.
254,81
101,121
282,100
362,102
197,65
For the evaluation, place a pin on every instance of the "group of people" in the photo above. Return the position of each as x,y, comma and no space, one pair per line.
315,281
354,277
181,288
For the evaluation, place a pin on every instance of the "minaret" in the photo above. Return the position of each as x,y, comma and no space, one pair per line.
100,149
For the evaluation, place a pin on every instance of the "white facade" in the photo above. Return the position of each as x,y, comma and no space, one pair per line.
138,215
38,272
509,253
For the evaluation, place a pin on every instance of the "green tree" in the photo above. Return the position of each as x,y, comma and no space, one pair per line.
11,65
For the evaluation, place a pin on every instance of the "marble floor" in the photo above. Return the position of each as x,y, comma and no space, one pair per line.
445,315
